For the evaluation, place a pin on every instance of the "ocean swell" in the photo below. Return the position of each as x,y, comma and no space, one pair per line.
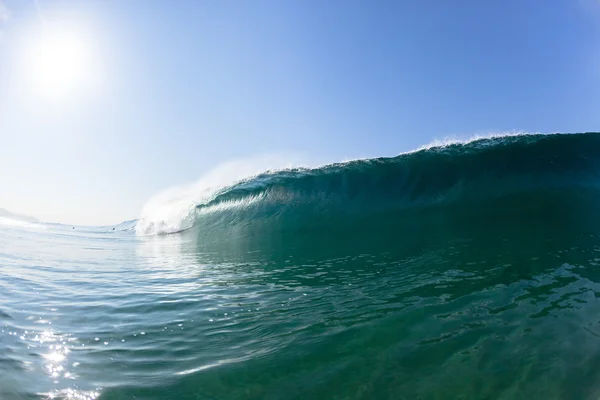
521,172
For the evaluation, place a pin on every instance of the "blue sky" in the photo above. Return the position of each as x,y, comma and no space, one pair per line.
176,90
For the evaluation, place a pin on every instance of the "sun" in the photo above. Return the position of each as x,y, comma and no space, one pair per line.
60,62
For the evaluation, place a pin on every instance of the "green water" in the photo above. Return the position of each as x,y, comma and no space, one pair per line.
485,294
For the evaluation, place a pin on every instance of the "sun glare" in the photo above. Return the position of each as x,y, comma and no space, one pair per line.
60,63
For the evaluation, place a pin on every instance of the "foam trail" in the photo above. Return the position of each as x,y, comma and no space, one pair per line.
174,209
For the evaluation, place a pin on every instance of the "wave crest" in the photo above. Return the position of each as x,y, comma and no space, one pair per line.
479,170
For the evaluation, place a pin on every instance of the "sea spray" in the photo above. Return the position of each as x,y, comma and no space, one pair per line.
173,209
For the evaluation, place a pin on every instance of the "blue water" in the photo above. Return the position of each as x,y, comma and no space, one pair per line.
465,271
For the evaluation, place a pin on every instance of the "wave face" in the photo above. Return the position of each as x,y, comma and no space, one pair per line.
519,176
460,271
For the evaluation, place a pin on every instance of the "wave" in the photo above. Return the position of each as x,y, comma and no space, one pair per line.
173,210
520,172
125,226
20,223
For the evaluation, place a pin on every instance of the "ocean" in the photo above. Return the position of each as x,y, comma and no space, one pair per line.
460,271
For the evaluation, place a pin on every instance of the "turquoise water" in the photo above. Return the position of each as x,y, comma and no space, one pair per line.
465,271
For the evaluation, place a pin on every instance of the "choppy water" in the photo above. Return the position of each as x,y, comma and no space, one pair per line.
468,271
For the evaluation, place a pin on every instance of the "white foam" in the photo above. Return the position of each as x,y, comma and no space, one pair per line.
453,140
174,209
21,224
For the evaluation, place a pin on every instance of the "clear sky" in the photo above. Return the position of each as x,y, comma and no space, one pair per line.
105,103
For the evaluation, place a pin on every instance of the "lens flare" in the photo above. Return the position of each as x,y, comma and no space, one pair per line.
60,62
